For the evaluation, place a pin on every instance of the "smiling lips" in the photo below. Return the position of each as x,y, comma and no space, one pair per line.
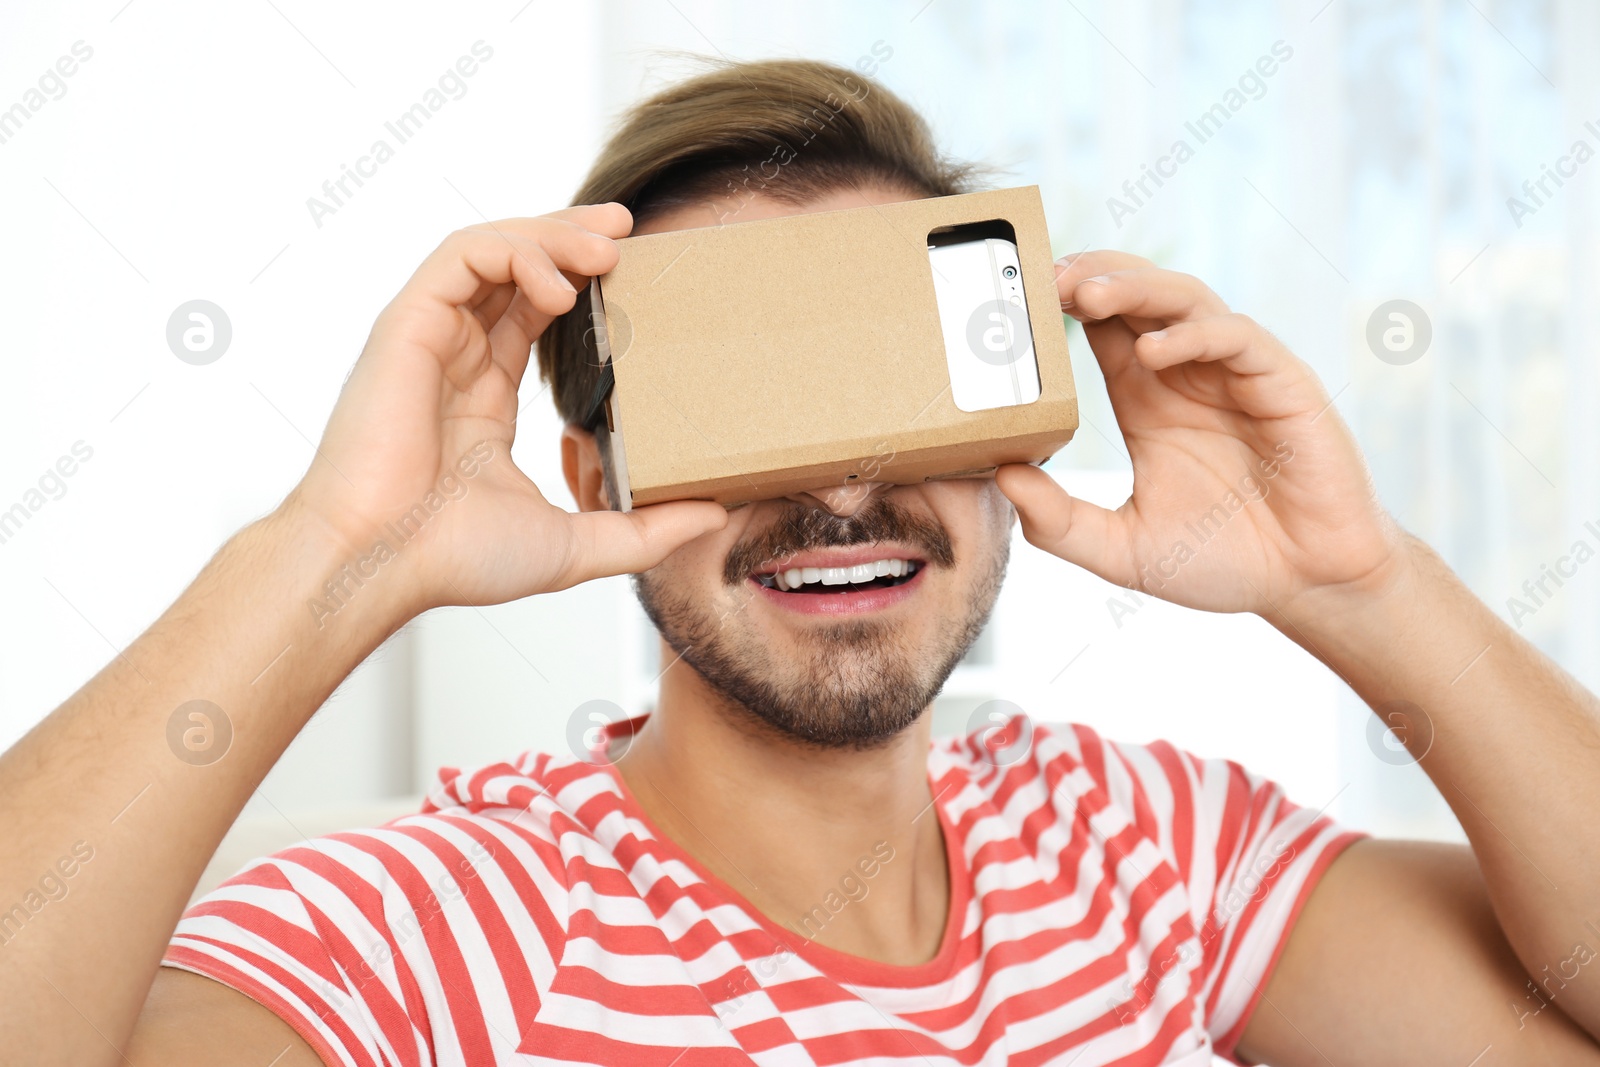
838,581
818,579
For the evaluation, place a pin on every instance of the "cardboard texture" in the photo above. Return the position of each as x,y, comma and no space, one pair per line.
754,359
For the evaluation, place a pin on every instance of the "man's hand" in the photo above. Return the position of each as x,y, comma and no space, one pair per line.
435,392
1248,489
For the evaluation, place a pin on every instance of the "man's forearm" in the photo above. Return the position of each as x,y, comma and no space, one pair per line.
111,777
1511,740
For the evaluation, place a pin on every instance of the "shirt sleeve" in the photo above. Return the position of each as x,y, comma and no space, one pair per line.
430,937
303,933
266,933
1250,858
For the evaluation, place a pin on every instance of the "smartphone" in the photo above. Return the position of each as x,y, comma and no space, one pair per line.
988,341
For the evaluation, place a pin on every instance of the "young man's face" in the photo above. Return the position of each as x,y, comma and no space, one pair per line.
835,663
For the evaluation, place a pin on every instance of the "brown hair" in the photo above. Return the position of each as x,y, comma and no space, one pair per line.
790,129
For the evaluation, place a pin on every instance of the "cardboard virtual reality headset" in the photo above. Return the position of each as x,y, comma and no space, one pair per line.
892,343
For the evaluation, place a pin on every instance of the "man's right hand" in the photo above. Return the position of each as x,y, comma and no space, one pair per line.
431,407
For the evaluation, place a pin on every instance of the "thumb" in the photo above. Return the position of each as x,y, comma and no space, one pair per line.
615,542
1075,530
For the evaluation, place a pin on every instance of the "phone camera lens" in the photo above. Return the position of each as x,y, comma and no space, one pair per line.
1009,272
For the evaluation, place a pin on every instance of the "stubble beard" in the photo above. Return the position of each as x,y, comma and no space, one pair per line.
853,683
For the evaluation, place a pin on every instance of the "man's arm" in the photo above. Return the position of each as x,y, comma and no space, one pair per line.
1230,434
1427,946
1397,960
129,786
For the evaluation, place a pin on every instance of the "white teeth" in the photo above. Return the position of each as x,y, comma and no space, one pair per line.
860,573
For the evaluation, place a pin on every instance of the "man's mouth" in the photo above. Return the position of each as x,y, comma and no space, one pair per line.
883,573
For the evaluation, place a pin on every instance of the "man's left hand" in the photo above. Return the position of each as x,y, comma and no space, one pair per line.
1248,491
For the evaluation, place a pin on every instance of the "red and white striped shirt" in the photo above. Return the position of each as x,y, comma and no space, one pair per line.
1110,903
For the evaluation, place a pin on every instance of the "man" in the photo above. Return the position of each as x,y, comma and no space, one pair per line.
778,864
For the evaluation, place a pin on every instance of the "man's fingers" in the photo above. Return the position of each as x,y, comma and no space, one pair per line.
614,542
531,252
578,252
1076,530
1234,339
511,337
1165,296
470,264
1070,270
493,304
1272,382
610,219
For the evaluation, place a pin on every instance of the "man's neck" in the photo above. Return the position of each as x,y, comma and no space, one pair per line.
839,846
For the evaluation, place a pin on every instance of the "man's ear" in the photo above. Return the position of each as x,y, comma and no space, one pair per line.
580,462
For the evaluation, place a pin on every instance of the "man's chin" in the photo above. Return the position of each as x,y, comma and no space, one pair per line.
842,686
875,642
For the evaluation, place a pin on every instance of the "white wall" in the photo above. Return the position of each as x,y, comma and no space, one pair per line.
178,166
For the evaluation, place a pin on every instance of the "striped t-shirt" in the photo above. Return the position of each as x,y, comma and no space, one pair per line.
1109,903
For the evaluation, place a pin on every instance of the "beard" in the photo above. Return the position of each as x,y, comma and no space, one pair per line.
854,683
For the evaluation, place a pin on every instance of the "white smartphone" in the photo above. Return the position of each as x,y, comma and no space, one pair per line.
988,342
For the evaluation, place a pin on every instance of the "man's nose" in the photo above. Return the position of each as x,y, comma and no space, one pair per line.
841,500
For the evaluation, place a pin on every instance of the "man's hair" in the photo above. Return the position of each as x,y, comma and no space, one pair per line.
789,129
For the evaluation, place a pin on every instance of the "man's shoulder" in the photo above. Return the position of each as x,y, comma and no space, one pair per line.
1068,771
544,800
1006,743
539,783
533,812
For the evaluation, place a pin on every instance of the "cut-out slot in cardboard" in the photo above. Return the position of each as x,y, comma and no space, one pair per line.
988,338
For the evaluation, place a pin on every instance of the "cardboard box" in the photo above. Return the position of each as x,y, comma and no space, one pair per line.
754,359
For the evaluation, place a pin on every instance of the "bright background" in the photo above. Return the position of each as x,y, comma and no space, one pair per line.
1374,164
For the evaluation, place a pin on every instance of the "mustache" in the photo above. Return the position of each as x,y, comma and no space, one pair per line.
799,528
